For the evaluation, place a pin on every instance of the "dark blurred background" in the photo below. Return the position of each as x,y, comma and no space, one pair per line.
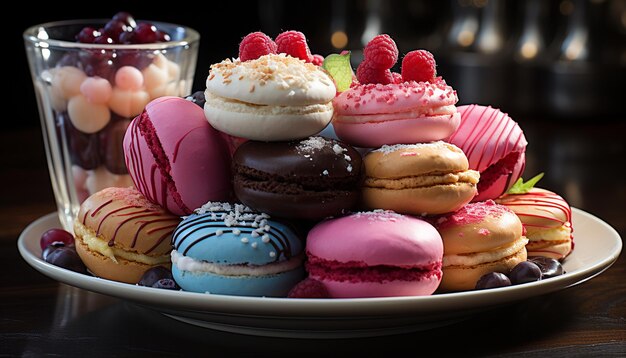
557,59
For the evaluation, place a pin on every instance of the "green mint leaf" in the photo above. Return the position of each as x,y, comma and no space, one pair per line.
521,187
338,66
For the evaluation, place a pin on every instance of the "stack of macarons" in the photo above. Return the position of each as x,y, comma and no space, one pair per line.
398,200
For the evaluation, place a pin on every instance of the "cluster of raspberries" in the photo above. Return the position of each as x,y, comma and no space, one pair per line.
381,54
292,43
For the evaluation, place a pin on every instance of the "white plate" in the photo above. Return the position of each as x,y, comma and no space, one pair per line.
597,247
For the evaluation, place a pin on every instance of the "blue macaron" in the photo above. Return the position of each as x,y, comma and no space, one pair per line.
231,249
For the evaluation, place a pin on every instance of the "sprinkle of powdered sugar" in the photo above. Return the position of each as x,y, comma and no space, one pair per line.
311,145
387,149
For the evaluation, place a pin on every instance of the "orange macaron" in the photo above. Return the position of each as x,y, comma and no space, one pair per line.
418,179
479,238
119,234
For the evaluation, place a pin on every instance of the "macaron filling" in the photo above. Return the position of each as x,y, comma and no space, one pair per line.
479,258
504,167
200,266
355,271
147,130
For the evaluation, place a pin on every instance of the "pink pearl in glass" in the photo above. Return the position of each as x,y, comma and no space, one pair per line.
128,78
128,103
101,178
96,89
67,80
154,77
87,117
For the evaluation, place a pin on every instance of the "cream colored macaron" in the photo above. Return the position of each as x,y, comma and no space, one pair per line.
272,98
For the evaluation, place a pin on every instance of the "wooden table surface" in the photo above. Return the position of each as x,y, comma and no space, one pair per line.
582,162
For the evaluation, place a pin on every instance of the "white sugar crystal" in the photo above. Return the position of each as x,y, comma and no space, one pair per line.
311,145
338,149
387,149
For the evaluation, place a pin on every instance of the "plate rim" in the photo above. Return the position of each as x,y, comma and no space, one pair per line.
316,308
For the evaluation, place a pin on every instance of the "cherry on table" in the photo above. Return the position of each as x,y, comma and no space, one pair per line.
53,236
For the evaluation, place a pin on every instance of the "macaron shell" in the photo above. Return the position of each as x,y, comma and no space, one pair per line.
343,289
488,136
376,239
307,158
399,161
479,227
556,250
433,200
271,80
538,208
394,98
282,125
405,131
306,205
124,218
277,285
103,267
209,239
197,157
464,278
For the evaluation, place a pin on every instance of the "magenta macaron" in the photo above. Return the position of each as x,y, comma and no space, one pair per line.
375,254
495,146
175,158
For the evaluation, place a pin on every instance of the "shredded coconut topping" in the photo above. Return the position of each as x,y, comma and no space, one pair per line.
287,71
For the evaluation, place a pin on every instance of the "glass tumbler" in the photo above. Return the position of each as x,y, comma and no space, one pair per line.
88,94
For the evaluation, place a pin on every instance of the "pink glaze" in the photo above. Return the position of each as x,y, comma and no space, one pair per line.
175,158
471,214
495,146
374,114
405,131
375,254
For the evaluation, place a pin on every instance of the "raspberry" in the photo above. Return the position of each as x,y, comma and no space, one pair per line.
309,288
419,65
255,45
293,43
318,60
397,78
367,74
381,52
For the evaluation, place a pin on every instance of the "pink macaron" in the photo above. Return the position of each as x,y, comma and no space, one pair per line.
375,254
494,145
175,158
373,115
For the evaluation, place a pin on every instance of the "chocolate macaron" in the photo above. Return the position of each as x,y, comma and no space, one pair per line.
309,179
